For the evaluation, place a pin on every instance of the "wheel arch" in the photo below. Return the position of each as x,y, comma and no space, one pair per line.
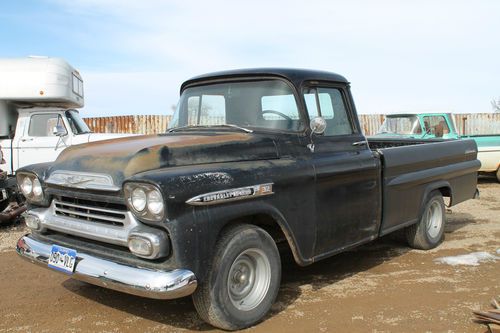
272,221
443,187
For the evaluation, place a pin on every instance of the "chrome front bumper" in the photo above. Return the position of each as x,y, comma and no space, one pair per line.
105,273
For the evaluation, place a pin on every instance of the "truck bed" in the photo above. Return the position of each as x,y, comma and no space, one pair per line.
412,168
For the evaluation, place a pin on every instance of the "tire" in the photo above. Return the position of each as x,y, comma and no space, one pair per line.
498,175
429,231
242,281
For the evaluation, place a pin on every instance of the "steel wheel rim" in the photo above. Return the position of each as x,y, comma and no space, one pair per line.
249,279
434,219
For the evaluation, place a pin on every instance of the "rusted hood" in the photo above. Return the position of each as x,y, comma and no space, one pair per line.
124,157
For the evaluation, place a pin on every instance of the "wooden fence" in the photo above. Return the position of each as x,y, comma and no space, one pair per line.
466,123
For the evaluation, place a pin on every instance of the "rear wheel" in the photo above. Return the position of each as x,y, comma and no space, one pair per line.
242,281
429,231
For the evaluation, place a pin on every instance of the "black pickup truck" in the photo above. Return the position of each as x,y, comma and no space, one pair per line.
254,161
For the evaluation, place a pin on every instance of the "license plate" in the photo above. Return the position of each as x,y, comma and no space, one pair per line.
62,259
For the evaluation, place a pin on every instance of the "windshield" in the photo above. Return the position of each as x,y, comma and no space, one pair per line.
78,126
268,104
405,125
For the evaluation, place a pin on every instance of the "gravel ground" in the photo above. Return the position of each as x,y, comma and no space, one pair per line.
381,287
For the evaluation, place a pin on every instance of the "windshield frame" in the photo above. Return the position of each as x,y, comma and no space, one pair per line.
75,123
247,78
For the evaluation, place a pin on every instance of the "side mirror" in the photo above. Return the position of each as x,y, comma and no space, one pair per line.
59,131
318,125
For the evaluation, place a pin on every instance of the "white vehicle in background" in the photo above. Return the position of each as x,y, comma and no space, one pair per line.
38,119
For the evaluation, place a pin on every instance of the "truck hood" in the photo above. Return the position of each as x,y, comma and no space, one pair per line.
124,157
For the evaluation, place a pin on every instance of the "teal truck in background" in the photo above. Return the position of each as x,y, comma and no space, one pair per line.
439,126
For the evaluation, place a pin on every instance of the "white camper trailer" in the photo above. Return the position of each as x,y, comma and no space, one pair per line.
38,116
38,119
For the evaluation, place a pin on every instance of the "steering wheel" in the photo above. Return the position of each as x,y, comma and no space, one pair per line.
290,120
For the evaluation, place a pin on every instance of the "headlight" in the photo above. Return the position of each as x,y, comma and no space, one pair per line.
30,187
145,201
155,202
27,186
139,199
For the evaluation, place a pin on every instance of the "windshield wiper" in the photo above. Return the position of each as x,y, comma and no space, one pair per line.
233,126
185,127
210,126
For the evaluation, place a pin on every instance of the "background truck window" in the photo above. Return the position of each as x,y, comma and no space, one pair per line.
43,124
331,107
436,125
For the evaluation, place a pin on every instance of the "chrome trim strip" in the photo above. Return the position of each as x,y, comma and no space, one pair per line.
83,180
105,273
234,194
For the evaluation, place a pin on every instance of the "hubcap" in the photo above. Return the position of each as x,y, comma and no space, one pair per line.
434,219
249,279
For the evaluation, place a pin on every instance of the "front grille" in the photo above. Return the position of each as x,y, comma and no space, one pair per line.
91,211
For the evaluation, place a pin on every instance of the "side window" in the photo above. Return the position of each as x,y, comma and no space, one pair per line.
211,110
43,124
436,125
329,104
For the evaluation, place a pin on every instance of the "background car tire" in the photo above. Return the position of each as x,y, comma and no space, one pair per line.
429,231
220,299
3,205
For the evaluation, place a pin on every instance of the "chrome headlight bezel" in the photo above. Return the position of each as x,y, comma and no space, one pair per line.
146,214
36,193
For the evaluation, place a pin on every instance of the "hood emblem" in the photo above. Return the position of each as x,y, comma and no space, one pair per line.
83,180
240,193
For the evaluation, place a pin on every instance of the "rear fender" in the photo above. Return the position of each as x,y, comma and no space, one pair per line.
443,186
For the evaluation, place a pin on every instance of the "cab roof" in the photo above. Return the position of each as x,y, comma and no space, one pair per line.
294,75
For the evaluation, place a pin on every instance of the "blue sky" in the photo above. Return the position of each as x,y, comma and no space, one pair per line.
399,55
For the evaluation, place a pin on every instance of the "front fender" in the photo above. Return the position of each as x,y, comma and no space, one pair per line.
194,235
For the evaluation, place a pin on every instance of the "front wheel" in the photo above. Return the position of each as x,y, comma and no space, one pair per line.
242,281
429,231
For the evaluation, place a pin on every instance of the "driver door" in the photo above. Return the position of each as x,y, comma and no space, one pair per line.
38,143
347,174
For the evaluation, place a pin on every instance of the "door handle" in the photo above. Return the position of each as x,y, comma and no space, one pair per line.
28,139
359,143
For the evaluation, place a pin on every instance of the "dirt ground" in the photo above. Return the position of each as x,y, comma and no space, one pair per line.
381,287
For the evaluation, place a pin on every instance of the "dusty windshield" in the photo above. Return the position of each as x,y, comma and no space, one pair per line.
267,104
404,125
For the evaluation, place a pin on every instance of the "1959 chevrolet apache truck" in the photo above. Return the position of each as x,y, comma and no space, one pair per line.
254,160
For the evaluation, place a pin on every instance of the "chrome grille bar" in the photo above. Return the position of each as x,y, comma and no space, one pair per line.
78,215
106,210
88,211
